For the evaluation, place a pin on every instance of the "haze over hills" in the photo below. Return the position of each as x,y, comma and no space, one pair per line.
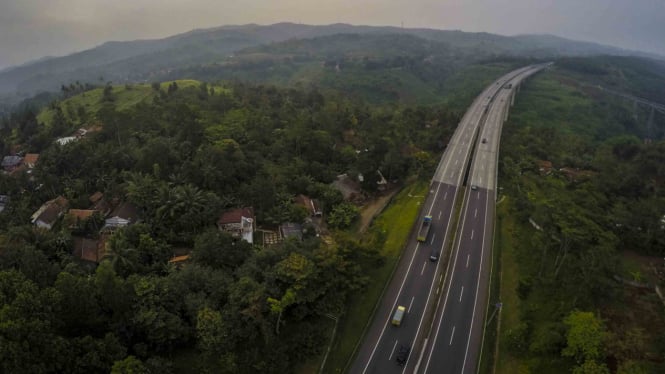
140,60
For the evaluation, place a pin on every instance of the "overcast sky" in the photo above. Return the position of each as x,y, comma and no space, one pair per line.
30,29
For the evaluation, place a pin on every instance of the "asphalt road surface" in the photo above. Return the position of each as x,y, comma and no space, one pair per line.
417,282
454,343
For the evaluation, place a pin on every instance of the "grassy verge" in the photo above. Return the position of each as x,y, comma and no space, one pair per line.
395,223
507,271
487,358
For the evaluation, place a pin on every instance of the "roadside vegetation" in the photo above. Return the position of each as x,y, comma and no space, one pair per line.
581,230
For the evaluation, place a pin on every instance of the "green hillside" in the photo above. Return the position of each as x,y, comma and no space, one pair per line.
124,97
581,165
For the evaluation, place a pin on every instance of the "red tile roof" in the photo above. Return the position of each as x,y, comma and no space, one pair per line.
95,197
177,259
87,249
235,215
31,158
81,213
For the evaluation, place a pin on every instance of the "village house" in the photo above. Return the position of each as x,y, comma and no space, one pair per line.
10,163
88,249
240,223
349,188
75,218
99,204
291,230
312,205
30,160
179,261
123,215
49,212
66,140
544,167
4,200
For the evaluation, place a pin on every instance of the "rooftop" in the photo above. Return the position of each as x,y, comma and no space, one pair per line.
31,158
11,161
235,215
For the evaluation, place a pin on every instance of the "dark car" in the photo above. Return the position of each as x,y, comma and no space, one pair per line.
434,255
484,140
402,354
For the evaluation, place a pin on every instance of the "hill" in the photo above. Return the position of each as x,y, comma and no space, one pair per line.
141,60
83,107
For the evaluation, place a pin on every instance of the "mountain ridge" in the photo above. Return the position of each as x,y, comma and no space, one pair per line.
140,60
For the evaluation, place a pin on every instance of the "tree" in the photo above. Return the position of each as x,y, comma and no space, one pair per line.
591,367
27,327
219,250
585,337
130,365
155,316
211,332
343,215
121,254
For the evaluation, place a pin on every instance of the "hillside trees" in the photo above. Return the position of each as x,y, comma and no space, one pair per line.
181,159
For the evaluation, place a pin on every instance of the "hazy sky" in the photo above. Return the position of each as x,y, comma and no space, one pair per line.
30,29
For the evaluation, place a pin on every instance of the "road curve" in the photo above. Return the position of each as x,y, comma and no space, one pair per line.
453,345
416,283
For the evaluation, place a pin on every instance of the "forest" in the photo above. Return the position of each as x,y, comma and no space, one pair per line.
583,181
181,155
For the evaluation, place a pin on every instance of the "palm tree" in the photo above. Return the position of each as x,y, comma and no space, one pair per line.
121,253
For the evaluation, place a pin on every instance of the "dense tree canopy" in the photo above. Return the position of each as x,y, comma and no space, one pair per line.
181,159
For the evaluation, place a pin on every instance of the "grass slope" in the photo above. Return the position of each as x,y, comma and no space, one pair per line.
126,96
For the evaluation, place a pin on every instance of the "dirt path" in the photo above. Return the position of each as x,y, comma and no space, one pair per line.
373,208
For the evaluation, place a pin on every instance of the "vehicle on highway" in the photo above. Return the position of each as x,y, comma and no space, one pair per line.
484,141
424,228
399,315
434,255
402,354
474,187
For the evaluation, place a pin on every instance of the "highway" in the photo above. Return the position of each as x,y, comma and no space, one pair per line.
454,342
417,282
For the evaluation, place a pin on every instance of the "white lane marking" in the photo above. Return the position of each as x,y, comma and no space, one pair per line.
393,351
478,195
471,234
438,328
451,337
475,214
475,302
410,304
440,214
399,292
461,293
467,260
437,290
440,278
423,269
433,236
456,161
444,197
